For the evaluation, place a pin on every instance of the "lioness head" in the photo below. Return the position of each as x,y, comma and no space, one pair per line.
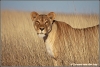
42,22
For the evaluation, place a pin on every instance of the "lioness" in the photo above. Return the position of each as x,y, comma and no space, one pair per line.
81,44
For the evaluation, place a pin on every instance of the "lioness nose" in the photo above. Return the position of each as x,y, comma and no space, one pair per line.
42,28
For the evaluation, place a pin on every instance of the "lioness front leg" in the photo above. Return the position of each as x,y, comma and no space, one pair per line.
55,61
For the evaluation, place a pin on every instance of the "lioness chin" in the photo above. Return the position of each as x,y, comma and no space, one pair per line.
63,40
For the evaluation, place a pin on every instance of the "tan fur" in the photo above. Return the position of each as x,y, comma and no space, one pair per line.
80,43
62,36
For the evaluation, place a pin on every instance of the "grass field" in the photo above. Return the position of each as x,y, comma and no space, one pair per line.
20,44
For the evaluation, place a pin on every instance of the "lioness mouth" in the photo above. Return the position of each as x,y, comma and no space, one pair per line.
40,33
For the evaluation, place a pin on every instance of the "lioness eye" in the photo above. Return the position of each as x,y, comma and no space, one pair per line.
37,22
46,22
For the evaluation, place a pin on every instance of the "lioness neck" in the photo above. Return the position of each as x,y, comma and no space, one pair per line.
52,34
50,40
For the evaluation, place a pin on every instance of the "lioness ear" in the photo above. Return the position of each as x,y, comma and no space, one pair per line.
51,15
34,15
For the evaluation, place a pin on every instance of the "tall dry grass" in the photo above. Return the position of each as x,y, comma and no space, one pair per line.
20,44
